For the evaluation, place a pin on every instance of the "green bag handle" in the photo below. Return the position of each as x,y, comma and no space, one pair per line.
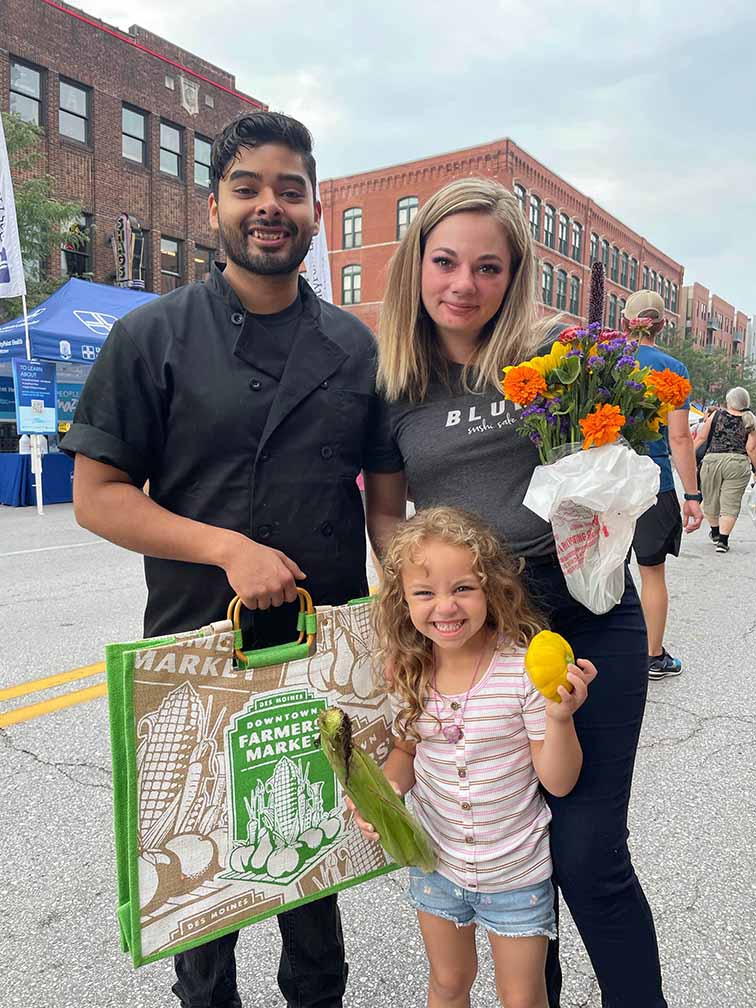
307,627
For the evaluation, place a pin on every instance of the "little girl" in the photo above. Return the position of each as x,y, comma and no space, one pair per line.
473,740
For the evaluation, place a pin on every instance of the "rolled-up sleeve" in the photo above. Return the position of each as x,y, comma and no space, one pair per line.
382,453
120,418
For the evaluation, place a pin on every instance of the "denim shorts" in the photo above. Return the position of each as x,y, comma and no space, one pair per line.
516,913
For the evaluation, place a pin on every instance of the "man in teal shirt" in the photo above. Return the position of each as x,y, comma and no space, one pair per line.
658,532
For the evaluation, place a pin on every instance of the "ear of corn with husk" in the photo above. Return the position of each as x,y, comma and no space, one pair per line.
402,836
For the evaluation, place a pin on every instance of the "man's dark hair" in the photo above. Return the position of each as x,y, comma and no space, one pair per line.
254,129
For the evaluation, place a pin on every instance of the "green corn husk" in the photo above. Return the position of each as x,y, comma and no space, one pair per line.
402,836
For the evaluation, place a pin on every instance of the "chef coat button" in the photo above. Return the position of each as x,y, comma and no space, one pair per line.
264,457
237,318
326,528
324,384
466,806
454,705
264,531
254,384
326,451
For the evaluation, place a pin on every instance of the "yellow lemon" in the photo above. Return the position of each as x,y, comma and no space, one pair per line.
546,663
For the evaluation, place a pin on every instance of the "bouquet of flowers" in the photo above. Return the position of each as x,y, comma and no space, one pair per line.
591,410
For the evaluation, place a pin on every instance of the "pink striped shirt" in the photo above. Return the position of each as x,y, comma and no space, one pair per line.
479,798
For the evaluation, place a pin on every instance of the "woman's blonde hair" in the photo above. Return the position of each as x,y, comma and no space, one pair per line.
739,398
401,647
407,349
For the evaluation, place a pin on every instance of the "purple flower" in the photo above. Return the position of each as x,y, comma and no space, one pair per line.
603,394
574,353
636,386
536,438
626,362
551,419
596,362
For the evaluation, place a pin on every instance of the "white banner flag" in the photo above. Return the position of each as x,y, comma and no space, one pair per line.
317,269
12,280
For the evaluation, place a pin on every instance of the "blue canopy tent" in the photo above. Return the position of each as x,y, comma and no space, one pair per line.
71,325
68,328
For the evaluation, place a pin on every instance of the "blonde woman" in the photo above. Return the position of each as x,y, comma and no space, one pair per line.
459,306
729,436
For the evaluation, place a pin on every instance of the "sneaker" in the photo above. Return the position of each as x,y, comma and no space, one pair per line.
714,536
722,547
664,667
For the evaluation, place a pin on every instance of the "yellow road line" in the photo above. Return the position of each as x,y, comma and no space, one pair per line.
36,685
31,711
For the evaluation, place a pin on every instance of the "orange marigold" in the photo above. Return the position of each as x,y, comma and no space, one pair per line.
602,426
669,387
522,384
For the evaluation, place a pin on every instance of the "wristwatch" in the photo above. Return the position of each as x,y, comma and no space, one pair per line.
696,497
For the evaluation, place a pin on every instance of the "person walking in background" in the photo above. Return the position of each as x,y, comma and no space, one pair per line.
726,468
658,532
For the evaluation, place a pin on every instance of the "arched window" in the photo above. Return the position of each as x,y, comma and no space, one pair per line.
351,285
605,253
645,278
547,284
352,228
624,263
594,247
535,217
406,209
614,268
659,284
673,298
574,295
633,274
612,321
667,292
520,193
561,295
564,233
549,214
652,280
577,242
620,310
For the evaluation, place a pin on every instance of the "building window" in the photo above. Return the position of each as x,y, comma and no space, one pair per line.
26,92
667,293
75,248
594,247
203,261
577,242
614,268
352,237
73,114
134,134
549,213
652,280
406,209
620,310
633,274
660,284
535,217
202,148
519,192
605,253
561,294
564,232
170,150
170,264
612,311
673,298
351,285
574,295
645,278
624,263
547,284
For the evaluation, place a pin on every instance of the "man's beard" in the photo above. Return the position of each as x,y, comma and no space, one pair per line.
274,263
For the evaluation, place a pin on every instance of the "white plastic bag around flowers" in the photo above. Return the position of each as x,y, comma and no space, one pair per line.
593,499
751,503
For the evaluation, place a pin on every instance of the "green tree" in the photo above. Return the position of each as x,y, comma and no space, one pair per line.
712,371
43,220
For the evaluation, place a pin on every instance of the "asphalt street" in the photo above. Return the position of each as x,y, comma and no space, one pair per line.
693,817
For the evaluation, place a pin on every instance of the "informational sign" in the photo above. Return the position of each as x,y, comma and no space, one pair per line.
7,399
36,397
68,399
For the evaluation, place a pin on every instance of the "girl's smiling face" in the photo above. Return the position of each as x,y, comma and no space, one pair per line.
465,274
446,600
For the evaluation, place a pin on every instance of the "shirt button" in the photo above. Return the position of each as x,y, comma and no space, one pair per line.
264,531
237,318
254,384
468,839
466,806
326,528
326,451
265,457
462,773
324,384
455,705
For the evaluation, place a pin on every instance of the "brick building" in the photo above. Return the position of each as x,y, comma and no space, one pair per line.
127,120
711,322
366,214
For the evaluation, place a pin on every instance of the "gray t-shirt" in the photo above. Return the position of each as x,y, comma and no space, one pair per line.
462,449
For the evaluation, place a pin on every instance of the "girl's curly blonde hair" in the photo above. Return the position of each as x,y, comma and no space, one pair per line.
402,649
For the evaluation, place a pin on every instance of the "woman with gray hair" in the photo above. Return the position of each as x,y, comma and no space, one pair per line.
730,439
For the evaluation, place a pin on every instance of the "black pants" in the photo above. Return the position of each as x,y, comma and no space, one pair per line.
312,972
592,866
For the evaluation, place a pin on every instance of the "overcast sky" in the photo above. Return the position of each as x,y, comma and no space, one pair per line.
649,109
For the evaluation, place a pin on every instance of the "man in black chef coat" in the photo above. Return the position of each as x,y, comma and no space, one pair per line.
250,406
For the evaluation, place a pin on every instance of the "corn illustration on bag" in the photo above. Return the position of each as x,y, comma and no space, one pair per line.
401,834
226,809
